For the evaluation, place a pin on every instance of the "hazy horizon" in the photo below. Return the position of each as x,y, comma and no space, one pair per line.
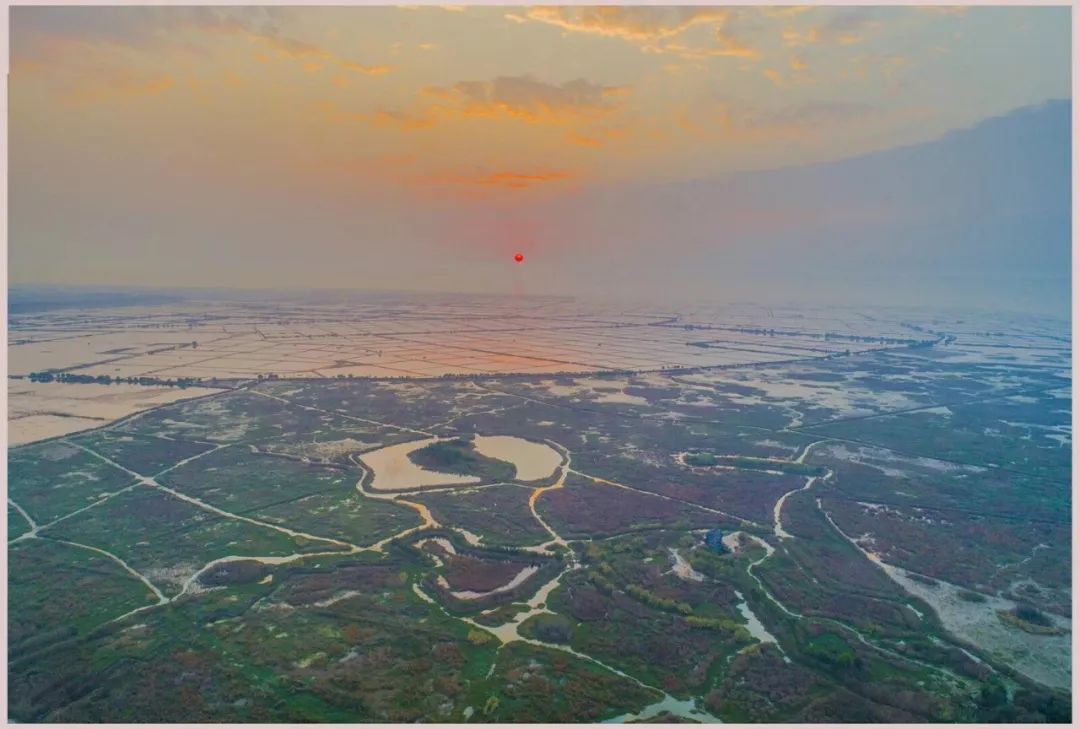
849,155
540,365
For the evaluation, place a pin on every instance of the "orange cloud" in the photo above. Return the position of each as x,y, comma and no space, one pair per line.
520,98
368,70
778,11
598,138
649,27
403,170
295,50
775,76
729,48
402,120
844,27
531,100
120,85
289,48
640,24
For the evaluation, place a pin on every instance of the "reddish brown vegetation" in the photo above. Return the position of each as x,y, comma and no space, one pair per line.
587,508
465,572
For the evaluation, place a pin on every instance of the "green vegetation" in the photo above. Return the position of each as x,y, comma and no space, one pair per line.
169,538
762,464
325,635
54,479
500,514
143,454
548,628
832,649
653,600
58,591
320,500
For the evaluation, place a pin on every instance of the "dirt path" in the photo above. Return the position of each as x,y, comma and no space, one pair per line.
778,527
560,482
237,517
128,568
29,520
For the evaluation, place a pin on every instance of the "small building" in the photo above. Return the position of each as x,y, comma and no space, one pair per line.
714,540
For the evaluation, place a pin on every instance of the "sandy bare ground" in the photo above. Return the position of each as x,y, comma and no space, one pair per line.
533,461
393,471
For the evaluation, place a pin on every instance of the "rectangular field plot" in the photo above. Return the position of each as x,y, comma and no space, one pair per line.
143,454
401,405
236,417
57,591
39,410
54,479
427,336
167,539
340,514
242,482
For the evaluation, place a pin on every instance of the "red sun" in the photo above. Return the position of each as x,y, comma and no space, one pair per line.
519,257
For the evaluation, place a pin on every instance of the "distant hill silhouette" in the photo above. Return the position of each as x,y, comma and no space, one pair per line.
980,210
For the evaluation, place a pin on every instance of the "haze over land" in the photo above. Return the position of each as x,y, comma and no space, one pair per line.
897,155
770,420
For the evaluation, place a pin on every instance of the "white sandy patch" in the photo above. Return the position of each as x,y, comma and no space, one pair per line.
473,540
682,568
939,410
877,457
1043,658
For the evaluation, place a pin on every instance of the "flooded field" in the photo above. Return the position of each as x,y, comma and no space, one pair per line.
39,410
420,339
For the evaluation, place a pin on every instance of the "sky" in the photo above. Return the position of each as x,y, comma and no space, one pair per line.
699,151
